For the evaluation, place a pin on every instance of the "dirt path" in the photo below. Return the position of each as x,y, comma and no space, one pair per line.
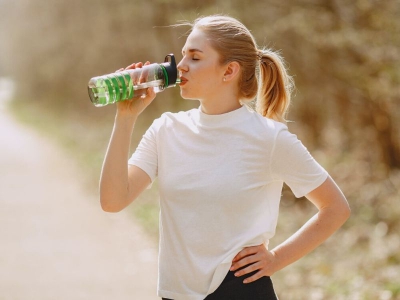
55,241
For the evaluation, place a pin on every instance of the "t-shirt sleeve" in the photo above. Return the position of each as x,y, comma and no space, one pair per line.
146,155
292,163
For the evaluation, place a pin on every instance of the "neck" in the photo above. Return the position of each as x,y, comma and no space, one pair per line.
220,105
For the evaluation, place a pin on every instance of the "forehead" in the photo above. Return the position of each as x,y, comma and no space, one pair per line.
197,40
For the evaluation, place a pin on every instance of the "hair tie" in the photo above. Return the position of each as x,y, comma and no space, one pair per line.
260,55
264,60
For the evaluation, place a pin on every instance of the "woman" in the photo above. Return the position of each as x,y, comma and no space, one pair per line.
221,169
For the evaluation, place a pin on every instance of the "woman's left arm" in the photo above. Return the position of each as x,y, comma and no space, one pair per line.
333,211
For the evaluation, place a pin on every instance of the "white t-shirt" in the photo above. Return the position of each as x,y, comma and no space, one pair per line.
220,183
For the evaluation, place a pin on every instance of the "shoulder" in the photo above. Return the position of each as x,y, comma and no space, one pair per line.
266,125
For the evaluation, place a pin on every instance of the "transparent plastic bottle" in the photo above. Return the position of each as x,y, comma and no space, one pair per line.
133,83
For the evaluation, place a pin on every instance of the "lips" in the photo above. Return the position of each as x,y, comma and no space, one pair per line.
183,80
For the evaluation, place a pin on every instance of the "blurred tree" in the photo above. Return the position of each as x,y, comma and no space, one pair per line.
344,56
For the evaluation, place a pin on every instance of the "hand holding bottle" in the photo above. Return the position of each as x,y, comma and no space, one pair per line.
143,98
133,82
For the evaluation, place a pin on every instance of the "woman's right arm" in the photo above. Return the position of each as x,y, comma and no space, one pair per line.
121,183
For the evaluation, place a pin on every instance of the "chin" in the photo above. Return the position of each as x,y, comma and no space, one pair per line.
187,97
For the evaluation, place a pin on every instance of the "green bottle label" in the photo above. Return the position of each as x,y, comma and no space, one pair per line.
124,90
110,90
130,91
116,88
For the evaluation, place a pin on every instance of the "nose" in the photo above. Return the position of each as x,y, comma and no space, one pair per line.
182,67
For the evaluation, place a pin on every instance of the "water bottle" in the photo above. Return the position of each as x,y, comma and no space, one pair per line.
133,83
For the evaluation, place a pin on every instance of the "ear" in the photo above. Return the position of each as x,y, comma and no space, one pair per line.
232,70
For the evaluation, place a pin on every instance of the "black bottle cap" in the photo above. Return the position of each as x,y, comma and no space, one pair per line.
172,72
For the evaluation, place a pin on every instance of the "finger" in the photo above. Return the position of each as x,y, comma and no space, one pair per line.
134,66
251,268
150,95
245,252
244,262
253,278
119,70
151,92
135,76
131,66
144,74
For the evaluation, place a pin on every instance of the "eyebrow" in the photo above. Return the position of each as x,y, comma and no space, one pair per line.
192,50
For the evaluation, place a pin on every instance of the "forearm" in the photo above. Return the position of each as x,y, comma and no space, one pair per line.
312,234
114,184
333,211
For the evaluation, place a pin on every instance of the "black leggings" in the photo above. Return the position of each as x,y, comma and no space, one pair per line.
233,288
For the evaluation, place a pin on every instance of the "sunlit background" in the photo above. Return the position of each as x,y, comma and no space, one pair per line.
345,59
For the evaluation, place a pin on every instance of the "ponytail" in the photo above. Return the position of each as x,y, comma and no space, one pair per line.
275,86
234,42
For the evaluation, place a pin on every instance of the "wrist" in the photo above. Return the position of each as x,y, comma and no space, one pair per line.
277,264
124,122
125,117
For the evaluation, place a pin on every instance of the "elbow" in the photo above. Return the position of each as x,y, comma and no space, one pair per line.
108,205
338,213
110,209
346,212
343,212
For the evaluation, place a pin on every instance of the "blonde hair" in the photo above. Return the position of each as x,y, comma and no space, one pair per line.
263,73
